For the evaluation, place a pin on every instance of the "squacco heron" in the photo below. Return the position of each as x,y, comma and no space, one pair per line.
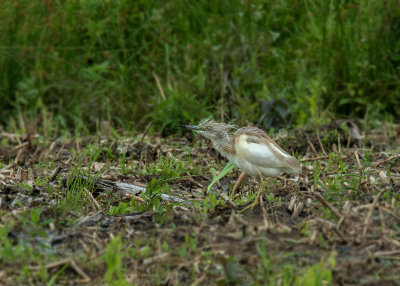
250,149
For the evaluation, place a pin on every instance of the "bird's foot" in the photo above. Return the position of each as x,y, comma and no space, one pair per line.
250,206
255,203
256,200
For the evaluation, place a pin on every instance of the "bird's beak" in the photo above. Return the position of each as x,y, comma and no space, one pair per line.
193,127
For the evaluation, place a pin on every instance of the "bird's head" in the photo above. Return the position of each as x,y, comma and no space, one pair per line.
212,130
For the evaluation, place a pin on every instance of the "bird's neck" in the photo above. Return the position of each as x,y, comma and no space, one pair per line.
225,146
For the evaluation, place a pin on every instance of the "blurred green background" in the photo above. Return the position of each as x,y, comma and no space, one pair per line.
70,65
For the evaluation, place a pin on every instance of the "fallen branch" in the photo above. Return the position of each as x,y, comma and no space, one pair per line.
331,226
320,144
360,169
312,147
159,86
54,174
126,188
6,168
385,160
328,205
314,159
227,200
95,204
389,212
122,189
70,262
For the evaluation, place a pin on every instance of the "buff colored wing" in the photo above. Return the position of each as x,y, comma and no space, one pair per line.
260,154
265,153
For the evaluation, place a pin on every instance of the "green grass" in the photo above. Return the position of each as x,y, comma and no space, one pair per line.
70,65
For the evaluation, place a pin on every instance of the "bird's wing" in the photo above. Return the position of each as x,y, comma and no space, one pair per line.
259,153
253,145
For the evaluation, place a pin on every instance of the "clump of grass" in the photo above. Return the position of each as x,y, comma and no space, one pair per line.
318,274
80,181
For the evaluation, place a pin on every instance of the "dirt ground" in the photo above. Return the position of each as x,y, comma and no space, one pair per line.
340,219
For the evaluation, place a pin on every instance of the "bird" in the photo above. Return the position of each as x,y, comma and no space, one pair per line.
250,149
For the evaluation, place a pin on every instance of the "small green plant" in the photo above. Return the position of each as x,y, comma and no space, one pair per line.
228,167
265,269
10,252
113,258
319,274
80,181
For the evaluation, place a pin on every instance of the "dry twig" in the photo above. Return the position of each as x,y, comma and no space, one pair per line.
314,159
227,200
159,86
146,130
54,174
297,210
328,205
70,262
385,160
367,221
360,168
320,145
312,148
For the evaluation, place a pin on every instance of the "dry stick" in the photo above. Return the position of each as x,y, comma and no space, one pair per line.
6,168
159,86
193,181
328,205
145,132
78,148
86,278
385,160
60,150
21,146
341,220
71,262
312,148
95,204
381,217
392,241
389,212
266,221
320,145
314,159
47,154
358,160
292,203
367,221
359,167
332,226
54,174
227,200
19,154
297,210
126,188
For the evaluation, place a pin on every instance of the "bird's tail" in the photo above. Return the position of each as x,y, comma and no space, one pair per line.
293,166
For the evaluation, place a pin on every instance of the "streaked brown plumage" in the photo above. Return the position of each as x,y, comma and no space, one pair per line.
250,149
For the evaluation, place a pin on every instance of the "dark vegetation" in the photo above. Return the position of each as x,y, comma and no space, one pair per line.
98,186
70,65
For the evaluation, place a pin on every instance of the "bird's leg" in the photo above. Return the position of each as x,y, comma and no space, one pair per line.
236,186
260,188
